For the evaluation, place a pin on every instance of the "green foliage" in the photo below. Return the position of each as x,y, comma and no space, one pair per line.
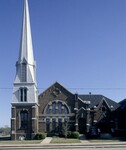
52,133
74,135
40,136
69,134
64,131
5,130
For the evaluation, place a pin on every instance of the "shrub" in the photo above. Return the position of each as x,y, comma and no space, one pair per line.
74,135
40,136
52,133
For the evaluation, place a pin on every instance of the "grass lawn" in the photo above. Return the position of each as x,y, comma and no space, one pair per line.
9,142
102,140
64,140
6,140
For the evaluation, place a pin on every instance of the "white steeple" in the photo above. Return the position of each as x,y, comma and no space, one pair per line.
26,50
25,80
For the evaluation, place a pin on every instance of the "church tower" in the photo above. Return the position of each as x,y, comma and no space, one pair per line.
24,112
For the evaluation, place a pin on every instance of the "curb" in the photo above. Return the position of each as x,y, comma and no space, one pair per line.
66,146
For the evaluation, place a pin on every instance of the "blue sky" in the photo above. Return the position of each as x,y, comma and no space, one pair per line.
79,43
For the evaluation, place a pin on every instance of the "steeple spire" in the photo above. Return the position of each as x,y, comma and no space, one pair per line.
26,67
26,50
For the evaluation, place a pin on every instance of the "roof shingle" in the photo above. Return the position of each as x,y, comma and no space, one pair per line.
96,99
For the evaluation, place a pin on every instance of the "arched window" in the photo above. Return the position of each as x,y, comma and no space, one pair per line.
57,107
23,94
23,119
56,114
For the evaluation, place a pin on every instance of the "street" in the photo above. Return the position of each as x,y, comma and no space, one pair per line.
81,148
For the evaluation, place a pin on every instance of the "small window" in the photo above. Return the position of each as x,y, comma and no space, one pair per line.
23,72
103,109
23,94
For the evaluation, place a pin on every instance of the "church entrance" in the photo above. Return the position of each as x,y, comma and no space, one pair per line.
82,125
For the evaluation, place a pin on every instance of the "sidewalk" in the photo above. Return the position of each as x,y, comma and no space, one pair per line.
47,140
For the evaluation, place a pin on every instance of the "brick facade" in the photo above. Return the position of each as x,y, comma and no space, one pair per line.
57,105
32,128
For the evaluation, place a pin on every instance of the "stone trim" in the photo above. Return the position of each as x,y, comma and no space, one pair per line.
34,118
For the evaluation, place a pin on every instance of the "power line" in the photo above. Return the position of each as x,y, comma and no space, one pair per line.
75,88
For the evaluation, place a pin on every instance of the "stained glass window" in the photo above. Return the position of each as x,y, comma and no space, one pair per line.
54,124
47,125
54,108
66,110
47,110
59,107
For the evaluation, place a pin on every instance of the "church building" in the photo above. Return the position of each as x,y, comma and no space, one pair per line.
49,111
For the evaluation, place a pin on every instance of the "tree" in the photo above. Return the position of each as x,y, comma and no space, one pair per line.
65,130
5,130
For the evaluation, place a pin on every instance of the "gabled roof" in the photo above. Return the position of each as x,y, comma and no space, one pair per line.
56,84
123,102
96,99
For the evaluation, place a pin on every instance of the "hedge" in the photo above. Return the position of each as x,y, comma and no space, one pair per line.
74,135
40,136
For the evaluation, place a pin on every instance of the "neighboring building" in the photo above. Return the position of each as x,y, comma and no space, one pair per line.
120,119
56,106
101,111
